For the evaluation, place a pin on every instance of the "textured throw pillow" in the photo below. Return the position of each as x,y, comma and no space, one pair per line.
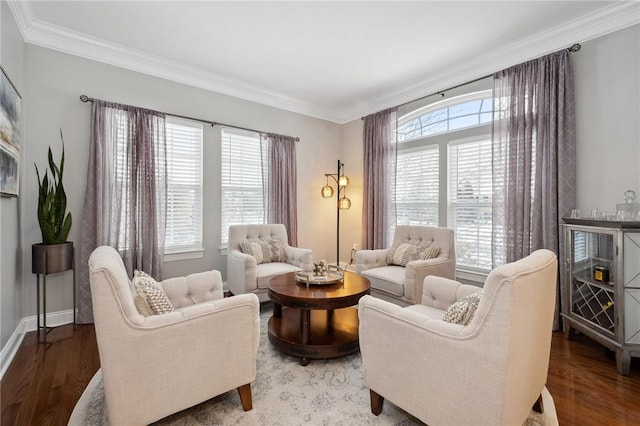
264,251
149,297
462,311
254,248
402,253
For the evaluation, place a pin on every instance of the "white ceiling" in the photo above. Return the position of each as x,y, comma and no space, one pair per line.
332,60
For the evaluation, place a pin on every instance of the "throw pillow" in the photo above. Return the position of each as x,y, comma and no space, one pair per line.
149,297
264,251
254,248
462,311
402,253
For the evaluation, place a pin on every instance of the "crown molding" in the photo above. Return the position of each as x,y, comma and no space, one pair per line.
608,19
61,39
598,23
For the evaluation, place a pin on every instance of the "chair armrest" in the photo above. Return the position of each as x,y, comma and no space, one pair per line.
241,272
300,257
417,270
389,315
439,292
367,259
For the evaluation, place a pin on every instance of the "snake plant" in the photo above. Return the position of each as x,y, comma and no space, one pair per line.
52,203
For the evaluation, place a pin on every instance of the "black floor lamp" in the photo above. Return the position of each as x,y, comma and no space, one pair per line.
343,203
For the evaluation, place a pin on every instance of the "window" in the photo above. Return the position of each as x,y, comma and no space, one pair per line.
242,180
470,188
445,116
184,185
443,173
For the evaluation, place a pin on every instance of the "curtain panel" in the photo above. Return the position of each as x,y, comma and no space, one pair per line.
379,147
534,158
280,181
125,197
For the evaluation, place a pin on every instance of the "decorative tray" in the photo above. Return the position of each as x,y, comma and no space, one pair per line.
330,277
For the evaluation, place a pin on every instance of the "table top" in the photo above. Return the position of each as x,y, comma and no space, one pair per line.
284,289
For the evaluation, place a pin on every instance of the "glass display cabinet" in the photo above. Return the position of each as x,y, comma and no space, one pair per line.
602,284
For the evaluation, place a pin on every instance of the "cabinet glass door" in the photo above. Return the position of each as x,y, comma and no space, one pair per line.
592,269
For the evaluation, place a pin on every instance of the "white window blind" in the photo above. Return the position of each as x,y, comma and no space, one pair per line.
470,205
241,180
184,185
417,186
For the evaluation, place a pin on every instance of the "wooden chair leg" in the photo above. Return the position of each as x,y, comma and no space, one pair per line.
537,406
376,402
245,396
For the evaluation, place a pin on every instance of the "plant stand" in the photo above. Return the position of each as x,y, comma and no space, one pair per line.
45,260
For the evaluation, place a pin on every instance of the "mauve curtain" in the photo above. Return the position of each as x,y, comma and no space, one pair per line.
534,158
379,147
281,183
125,198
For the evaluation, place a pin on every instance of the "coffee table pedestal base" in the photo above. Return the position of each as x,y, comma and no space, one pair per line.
314,334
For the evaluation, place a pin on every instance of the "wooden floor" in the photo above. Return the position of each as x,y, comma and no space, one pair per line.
44,382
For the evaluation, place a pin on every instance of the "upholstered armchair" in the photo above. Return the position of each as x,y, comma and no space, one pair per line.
156,365
490,371
249,270
397,275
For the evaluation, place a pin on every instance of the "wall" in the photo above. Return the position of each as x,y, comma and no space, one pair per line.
607,86
12,60
56,81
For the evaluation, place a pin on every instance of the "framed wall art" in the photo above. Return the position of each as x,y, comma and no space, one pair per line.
10,136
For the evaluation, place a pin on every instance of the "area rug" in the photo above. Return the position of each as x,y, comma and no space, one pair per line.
325,392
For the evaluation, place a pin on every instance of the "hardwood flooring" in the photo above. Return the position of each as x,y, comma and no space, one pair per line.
44,382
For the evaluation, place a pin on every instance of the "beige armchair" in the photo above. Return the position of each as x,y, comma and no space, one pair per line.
488,372
153,366
245,274
403,284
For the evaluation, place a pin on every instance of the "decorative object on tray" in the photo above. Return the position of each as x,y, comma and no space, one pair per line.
332,274
320,268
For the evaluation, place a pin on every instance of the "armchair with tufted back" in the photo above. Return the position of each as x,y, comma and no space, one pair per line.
245,274
156,365
489,368
403,284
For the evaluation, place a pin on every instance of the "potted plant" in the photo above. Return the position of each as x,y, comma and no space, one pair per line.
55,253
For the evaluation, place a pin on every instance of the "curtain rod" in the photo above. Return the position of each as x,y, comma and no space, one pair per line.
574,48
85,98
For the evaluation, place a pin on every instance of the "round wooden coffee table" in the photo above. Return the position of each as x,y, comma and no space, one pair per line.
317,322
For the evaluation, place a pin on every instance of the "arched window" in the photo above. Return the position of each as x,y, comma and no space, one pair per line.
443,173
448,115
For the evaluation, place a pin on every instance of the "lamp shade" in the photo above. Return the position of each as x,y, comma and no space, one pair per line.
327,191
344,203
343,180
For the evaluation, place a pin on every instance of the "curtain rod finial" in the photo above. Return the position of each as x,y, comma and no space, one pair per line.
84,98
575,48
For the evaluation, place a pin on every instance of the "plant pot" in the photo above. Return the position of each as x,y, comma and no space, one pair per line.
51,258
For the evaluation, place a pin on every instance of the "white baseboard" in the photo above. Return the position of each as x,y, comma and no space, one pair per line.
54,319
11,348
27,324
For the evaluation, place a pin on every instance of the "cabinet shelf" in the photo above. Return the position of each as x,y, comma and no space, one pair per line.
605,285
